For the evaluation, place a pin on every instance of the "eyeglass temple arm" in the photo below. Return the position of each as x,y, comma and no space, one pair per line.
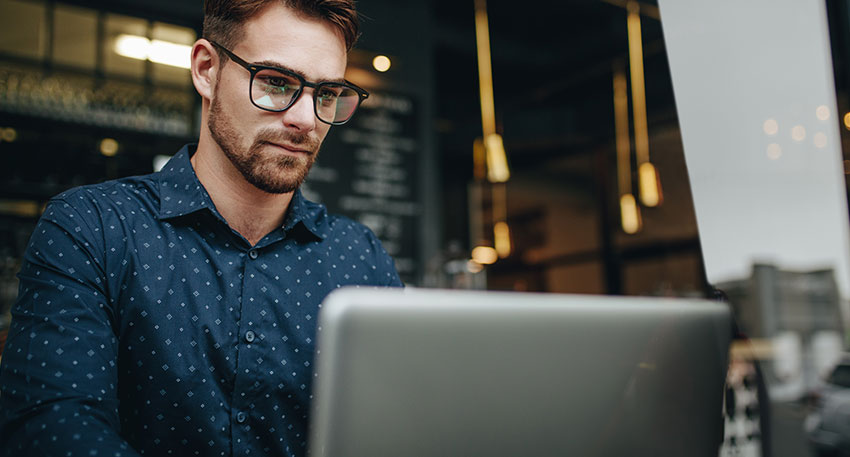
231,55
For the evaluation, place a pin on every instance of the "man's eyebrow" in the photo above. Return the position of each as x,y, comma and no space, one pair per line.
271,63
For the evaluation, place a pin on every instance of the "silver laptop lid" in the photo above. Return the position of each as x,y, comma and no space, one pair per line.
451,373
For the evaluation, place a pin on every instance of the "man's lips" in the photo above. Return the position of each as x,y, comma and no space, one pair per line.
289,148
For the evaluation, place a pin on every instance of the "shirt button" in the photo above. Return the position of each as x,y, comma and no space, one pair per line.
253,254
249,336
241,416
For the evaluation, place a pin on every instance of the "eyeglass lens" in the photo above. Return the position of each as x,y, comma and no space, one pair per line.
275,90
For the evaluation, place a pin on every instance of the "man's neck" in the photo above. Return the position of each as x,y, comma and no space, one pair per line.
248,210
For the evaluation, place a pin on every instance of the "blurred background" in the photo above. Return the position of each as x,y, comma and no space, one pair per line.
503,147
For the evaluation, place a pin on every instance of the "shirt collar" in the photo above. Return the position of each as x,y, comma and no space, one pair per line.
304,213
181,193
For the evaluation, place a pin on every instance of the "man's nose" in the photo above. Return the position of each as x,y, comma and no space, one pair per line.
301,115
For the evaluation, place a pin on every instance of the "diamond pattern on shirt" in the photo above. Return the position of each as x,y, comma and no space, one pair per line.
144,324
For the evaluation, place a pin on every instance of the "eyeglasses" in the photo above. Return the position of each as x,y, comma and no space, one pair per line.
277,89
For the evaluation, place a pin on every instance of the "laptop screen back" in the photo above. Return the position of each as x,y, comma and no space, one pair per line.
449,373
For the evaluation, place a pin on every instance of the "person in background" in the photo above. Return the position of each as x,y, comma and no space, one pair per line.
175,313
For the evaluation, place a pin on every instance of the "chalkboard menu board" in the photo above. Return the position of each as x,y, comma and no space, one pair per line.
367,170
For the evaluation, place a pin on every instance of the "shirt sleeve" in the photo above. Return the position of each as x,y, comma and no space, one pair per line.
385,270
59,369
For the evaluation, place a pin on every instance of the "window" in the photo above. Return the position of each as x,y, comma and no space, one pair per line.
22,29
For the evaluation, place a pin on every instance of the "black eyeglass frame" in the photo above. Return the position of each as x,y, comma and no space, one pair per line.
254,69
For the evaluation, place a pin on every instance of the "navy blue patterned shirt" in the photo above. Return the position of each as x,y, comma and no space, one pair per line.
145,324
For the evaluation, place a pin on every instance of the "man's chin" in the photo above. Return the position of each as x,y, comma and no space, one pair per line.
284,181
276,188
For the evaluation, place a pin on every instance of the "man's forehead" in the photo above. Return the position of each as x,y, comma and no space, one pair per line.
278,36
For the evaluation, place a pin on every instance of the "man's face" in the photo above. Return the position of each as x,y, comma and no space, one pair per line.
274,151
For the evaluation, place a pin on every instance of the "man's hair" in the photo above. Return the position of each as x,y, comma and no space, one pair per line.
224,20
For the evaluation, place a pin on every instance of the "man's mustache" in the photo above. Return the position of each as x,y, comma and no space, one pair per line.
304,141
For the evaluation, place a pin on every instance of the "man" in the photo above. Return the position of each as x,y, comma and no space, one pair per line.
175,313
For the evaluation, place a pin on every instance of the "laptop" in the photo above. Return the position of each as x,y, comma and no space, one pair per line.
416,373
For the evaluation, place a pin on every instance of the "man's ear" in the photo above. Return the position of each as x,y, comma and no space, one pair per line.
205,66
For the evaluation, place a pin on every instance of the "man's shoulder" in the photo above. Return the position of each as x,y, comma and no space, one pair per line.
122,196
117,191
353,235
93,215
350,236
338,225
328,225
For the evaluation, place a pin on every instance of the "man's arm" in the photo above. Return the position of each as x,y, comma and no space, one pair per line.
383,265
59,370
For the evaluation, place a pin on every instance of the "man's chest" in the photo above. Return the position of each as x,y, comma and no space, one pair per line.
183,269
197,304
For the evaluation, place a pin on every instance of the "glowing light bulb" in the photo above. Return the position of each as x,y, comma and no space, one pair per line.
798,133
158,51
774,151
485,255
502,239
8,134
770,127
629,214
650,187
381,63
108,147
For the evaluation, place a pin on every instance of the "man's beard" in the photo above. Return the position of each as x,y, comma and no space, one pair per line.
272,172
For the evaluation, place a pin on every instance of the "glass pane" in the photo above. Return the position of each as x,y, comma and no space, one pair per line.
22,28
75,37
122,27
177,48
274,90
345,104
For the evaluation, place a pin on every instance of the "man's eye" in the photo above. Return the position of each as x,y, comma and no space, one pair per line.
277,82
328,96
